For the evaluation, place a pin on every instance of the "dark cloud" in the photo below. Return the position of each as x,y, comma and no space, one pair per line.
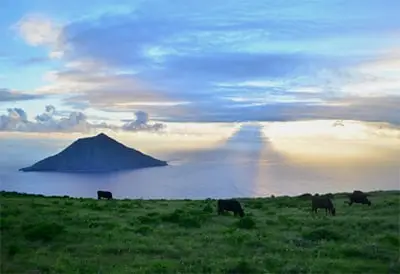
7,95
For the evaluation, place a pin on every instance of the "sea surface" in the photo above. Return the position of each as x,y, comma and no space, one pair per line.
244,166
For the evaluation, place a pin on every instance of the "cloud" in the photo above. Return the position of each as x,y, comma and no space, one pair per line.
227,62
7,95
39,30
16,120
51,120
141,123
87,85
376,77
47,115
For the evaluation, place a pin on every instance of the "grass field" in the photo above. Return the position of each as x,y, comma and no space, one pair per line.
278,235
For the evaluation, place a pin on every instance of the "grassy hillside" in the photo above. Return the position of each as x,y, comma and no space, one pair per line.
278,235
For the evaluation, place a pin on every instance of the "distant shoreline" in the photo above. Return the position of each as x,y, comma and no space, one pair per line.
336,194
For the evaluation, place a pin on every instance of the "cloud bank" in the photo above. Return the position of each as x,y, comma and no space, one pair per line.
16,119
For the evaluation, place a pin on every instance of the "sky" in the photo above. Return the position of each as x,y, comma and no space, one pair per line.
159,66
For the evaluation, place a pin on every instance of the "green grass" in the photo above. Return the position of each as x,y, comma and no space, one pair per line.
278,235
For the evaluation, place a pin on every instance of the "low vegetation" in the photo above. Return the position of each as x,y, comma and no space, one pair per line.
277,235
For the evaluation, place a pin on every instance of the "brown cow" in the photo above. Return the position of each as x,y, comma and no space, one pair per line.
230,205
358,197
323,202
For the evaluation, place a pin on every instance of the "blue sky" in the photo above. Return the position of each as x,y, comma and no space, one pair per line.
135,65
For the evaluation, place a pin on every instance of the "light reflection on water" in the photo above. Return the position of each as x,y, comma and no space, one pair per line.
246,165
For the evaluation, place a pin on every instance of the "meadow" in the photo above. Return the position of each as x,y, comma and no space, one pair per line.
278,235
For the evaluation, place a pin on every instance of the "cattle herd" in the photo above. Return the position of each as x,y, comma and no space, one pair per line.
317,201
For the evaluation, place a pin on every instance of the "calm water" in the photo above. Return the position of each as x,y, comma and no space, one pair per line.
246,165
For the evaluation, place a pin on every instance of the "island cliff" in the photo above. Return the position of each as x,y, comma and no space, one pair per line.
99,153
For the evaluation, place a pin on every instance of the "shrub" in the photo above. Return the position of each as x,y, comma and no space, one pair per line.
94,206
138,203
321,234
295,268
183,219
144,230
122,210
125,205
236,238
69,203
147,220
173,217
256,205
207,208
190,222
5,223
153,214
108,225
246,223
42,232
271,221
12,250
391,239
242,267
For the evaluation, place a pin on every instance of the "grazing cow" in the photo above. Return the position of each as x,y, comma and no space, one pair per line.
104,194
359,197
323,202
230,205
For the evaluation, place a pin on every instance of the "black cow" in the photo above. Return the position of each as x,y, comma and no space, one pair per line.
104,194
359,197
323,202
230,205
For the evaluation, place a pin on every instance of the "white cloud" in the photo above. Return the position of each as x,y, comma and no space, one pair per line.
50,120
204,66
376,78
38,30
56,54
16,120
141,123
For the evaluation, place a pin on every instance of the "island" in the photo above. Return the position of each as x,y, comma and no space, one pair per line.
95,154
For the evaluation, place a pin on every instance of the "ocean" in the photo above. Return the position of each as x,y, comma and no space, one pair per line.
246,165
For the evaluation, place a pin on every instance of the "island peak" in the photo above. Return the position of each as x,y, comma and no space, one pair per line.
99,153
